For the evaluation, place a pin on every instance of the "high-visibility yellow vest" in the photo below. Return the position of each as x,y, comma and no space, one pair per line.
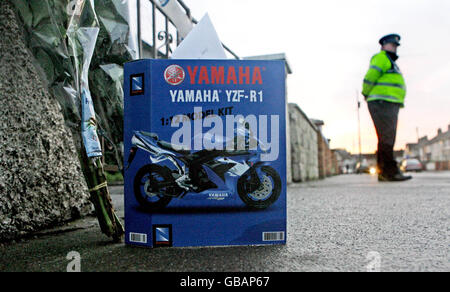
384,81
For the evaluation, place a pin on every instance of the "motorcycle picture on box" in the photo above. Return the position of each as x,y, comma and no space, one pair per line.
211,174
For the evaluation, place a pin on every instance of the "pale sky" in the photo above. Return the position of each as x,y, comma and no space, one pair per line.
329,44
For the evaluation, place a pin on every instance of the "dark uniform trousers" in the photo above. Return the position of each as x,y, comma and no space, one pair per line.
385,116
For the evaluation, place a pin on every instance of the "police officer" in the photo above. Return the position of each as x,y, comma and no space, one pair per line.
384,90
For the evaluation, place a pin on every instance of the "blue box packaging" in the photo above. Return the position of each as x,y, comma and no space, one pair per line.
205,152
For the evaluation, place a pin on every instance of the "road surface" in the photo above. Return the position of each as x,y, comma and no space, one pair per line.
343,223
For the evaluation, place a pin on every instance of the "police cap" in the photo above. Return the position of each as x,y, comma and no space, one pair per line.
390,38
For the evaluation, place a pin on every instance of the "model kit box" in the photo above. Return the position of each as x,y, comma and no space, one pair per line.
205,152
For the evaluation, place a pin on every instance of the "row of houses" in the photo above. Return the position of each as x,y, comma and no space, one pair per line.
434,152
346,162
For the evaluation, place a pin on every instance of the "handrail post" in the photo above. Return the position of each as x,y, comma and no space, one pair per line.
155,52
139,32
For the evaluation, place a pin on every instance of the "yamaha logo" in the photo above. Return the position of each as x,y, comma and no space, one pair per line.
174,75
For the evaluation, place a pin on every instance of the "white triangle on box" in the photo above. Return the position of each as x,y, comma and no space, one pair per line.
201,43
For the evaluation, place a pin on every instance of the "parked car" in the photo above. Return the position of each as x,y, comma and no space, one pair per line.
411,164
362,167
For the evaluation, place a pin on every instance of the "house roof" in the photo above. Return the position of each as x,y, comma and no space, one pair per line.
423,141
281,56
440,137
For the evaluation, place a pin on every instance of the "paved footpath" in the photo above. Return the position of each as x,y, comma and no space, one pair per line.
343,223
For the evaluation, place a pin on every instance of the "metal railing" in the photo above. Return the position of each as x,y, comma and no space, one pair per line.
165,37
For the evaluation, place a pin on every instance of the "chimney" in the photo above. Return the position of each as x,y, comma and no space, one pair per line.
423,140
448,128
439,131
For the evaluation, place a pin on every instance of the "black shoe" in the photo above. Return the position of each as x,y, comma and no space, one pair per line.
395,177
